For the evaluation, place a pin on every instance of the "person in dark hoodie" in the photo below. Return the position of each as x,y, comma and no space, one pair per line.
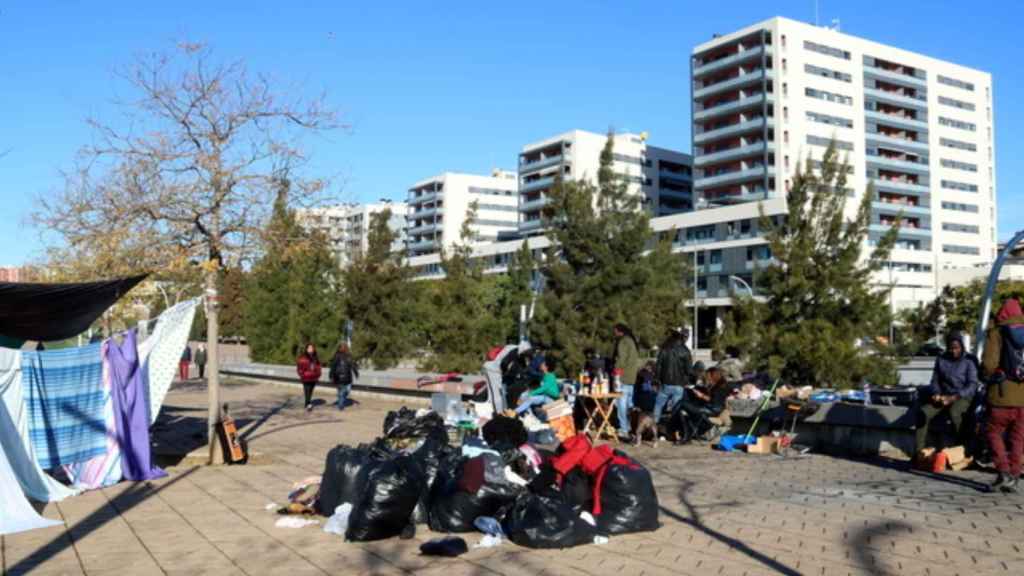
1003,367
954,382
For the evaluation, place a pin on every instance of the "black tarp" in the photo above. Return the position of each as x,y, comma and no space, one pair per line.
47,312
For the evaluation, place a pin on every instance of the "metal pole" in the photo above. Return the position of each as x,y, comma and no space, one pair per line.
696,340
212,346
743,282
993,279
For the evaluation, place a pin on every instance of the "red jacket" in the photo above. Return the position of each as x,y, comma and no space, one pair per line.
578,451
308,369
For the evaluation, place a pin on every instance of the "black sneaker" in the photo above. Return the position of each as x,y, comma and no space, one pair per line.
999,482
1010,486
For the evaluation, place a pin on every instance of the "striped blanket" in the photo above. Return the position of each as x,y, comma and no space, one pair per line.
66,401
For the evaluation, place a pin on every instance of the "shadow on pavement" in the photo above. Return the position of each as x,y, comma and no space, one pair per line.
861,541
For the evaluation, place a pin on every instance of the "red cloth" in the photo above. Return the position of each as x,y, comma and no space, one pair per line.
308,369
493,352
472,477
578,451
1010,309
1000,420
573,451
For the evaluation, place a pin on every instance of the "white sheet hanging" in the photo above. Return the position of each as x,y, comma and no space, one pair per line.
17,514
161,352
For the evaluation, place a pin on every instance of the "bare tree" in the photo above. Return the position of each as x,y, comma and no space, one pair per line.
185,175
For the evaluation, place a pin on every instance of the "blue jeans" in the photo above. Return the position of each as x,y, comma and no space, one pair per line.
673,393
526,402
343,392
623,404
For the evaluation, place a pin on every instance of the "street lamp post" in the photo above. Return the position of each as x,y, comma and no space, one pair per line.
743,283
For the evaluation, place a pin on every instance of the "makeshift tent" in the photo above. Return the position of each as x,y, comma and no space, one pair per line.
18,515
47,312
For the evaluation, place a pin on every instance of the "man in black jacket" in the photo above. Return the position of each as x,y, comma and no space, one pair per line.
673,370
343,373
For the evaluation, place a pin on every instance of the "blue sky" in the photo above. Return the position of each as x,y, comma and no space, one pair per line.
438,86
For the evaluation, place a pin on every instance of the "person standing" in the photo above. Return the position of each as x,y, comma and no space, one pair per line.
343,373
954,381
1003,366
627,364
308,367
673,371
186,359
200,360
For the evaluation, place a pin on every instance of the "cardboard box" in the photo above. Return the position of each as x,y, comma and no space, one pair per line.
765,445
557,409
564,427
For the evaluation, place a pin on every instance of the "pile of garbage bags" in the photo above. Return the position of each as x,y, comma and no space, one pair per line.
533,497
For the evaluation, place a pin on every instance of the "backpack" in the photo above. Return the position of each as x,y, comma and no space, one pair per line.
1011,361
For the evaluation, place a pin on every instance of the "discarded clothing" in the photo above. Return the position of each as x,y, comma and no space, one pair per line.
18,514
64,394
105,469
160,353
128,382
451,547
14,438
294,522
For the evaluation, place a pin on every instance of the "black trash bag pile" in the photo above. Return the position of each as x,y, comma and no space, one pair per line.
345,471
432,456
537,521
404,424
385,508
629,502
502,431
453,508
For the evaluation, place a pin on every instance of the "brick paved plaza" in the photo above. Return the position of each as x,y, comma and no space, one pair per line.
722,514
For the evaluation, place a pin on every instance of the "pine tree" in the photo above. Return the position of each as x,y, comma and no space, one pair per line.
380,299
605,266
514,290
821,322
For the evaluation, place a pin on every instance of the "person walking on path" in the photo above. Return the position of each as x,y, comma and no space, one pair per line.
627,364
1003,367
186,359
673,371
200,359
954,382
343,373
308,367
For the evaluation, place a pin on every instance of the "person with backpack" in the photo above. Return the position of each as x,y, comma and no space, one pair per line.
673,371
954,382
308,367
343,373
627,365
1003,366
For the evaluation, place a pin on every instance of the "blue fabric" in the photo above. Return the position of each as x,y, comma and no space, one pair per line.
732,442
623,404
343,392
526,402
1016,335
66,400
958,377
667,396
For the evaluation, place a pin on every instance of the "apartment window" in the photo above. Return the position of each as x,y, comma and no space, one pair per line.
961,186
957,124
965,228
955,83
785,112
489,191
958,144
819,141
960,207
830,120
783,40
785,89
958,249
967,166
956,103
827,73
627,159
785,136
829,96
784,67
745,224
827,50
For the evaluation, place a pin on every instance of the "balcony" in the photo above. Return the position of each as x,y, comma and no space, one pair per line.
895,76
736,82
915,101
429,212
534,205
423,246
734,177
899,186
421,229
423,198
893,140
896,208
741,56
531,225
755,149
735,105
681,194
537,184
541,163
895,120
732,130
921,232
907,166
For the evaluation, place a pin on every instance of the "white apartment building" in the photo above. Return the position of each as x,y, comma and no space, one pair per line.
661,175
920,129
437,208
347,226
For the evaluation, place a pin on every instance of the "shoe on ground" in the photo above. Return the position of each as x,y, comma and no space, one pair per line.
625,436
998,482
1009,486
309,407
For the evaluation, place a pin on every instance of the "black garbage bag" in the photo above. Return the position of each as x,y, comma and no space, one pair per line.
505,432
578,490
396,417
431,456
454,510
629,502
545,522
405,424
344,477
385,508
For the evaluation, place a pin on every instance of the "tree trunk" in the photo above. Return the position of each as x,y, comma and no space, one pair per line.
212,346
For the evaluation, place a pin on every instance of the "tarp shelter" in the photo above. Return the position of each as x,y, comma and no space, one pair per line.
48,312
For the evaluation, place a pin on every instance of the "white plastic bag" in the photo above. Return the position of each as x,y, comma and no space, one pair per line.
338,522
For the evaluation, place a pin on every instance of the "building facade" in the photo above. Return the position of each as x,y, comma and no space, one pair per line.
347,226
437,209
920,130
661,176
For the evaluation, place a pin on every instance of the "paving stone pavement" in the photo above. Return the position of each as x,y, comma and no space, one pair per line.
727,514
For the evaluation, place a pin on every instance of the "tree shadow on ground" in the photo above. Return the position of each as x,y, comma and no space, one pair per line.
861,543
695,520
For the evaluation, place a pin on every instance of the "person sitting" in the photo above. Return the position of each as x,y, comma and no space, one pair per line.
954,381
546,391
704,405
